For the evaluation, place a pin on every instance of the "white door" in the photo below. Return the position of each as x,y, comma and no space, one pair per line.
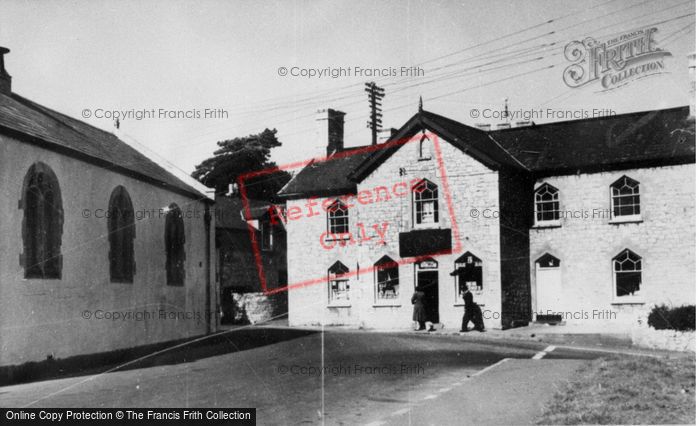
548,282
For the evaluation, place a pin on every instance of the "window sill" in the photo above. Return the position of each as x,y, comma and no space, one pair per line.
328,240
481,305
339,305
625,219
549,224
630,301
424,158
386,305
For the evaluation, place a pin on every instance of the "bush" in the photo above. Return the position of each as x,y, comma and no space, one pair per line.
665,318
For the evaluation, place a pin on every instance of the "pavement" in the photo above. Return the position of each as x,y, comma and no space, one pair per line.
339,376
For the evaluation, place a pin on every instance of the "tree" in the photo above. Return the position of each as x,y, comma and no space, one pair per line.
244,155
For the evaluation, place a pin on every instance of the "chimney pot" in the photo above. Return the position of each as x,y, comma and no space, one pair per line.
5,78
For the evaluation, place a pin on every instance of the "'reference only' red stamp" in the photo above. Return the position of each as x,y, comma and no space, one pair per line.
336,209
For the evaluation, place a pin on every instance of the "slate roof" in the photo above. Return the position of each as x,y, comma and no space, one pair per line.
328,176
641,139
229,212
34,123
649,138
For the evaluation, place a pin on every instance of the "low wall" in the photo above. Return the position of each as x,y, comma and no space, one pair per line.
253,308
669,340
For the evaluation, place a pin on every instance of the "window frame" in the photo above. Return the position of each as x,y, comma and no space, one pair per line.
266,236
435,200
458,295
337,205
50,220
555,200
338,273
384,264
634,217
424,147
123,237
175,270
638,297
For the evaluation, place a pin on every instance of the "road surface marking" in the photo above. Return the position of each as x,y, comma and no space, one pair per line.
400,412
480,372
377,423
430,397
443,390
541,354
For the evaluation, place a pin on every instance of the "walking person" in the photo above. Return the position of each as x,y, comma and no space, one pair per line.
472,312
419,314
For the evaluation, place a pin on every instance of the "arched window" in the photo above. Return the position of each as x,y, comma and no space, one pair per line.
175,246
624,198
469,275
627,273
424,148
546,204
338,220
122,231
425,201
42,225
386,272
338,283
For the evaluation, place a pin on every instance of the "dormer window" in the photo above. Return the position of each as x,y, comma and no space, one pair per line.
425,202
625,200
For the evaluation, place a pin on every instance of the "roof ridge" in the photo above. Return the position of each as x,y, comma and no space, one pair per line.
52,113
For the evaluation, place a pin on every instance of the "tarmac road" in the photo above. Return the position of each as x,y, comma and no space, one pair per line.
336,377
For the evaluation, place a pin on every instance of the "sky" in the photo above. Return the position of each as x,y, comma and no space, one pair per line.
190,56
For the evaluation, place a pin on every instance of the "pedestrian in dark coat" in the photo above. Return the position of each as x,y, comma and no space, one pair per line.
419,314
472,312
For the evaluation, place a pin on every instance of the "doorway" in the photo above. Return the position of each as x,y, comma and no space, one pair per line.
427,282
548,282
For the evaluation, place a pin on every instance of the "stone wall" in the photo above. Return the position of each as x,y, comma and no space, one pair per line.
586,244
255,308
472,187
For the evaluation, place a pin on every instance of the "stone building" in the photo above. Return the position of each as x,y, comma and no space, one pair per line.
243,298
588,221
102,248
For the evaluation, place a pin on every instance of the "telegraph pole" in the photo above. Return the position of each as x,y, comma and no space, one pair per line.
375,94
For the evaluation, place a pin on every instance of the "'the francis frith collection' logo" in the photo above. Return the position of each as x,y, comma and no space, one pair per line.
615,62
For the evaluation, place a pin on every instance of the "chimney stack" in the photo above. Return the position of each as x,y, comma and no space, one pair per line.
5,78
691,74
331,125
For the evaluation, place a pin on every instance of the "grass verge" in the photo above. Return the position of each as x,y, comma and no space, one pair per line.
626,390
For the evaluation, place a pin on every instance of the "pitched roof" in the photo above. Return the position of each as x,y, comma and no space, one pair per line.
475,142
36,124
230,214
326,177
649,138
641,139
